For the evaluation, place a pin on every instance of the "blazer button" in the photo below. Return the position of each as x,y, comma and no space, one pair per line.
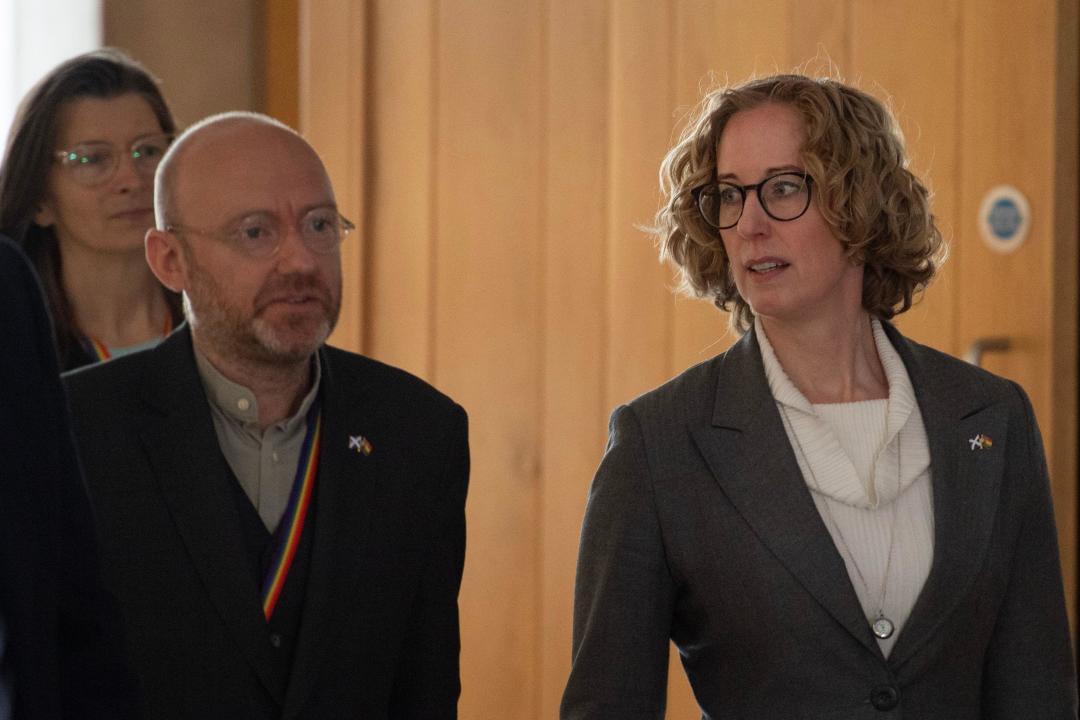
275,640
885,697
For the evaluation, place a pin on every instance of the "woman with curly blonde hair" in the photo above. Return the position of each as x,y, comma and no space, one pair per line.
828,519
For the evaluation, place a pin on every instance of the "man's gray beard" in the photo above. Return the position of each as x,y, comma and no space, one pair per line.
256,341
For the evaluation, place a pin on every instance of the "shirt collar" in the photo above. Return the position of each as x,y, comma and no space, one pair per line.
237,403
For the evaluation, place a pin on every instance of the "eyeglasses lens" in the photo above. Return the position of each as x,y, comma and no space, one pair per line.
260,235
94,163
783,197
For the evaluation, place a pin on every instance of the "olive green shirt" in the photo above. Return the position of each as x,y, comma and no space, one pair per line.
264,462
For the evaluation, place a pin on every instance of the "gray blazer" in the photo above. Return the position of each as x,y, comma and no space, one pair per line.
700,528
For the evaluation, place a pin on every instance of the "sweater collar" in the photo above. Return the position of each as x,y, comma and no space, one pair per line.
826,459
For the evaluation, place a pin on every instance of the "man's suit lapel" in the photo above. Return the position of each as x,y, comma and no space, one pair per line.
346,496
747,449
966,485
191,471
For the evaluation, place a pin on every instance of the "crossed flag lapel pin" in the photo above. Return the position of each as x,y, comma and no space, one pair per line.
980,442
360,444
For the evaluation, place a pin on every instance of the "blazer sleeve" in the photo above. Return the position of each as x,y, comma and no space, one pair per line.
624,593
1029,669
427,683
74,610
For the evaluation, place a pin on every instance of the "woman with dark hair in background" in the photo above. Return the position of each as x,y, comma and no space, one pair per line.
76,192
829,520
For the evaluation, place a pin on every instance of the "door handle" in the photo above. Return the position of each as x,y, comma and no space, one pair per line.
984,345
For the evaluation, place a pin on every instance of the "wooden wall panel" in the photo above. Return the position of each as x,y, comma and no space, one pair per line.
498,158
914,88
401,185
818,36
338,77
277,79
487,331
639,302
1012,95
574,409
1064,309
205,53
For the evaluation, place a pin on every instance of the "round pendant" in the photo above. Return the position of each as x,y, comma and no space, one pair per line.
883,627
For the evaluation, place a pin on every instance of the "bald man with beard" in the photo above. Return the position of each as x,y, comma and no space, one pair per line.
282,521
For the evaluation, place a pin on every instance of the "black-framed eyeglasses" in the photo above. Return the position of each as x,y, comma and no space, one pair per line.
784,196
95,163
259,235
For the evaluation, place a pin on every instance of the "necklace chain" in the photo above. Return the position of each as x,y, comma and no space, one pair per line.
839,533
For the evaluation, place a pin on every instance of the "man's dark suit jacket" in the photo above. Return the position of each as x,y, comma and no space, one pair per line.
378,635
700,528
63,630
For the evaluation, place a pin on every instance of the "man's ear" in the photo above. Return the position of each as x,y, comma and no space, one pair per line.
166,259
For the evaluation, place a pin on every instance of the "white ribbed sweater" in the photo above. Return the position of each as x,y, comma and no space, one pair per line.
852,454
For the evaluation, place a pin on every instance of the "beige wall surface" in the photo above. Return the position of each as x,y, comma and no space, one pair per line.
206,53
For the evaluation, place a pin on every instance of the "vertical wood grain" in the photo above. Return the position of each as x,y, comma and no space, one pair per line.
1064,308
574,410
638,298
401,187
1010,112
819,35
206,54
487,331
332,117
278,82
498,156
923,91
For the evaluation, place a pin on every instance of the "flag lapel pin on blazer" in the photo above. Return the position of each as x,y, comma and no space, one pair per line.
360,444
980,442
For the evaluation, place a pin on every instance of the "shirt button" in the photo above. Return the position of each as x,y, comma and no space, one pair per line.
275,639
243,403
275,456
885,697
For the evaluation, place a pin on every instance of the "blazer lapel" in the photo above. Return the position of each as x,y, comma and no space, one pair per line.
966,482
346,496
748,451
191,471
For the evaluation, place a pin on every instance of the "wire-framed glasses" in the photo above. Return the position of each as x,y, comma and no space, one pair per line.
259,235
95,163
784,196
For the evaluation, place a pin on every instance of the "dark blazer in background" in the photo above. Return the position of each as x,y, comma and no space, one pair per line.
700,528
378,636
63,638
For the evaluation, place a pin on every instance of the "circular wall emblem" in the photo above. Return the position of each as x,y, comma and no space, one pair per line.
1004,218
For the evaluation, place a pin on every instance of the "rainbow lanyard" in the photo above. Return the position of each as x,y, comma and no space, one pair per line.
101,351
289,530
98,349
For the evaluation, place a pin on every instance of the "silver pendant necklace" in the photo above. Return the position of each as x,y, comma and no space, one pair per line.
882,627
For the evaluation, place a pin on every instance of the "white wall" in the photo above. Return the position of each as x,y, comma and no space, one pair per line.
36,35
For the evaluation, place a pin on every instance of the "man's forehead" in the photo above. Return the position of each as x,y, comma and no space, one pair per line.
242,163
247,141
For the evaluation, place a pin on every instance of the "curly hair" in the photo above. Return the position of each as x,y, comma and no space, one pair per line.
854,151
